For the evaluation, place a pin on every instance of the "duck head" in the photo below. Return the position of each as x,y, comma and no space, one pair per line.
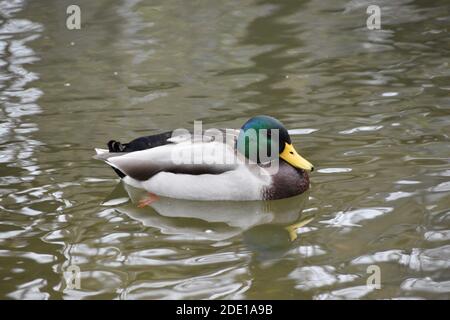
263,134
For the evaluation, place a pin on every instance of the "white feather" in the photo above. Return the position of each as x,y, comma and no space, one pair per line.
239,184
101,151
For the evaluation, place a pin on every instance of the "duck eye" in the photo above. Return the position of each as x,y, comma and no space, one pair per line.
291,152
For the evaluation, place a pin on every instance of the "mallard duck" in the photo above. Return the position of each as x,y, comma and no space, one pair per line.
176,164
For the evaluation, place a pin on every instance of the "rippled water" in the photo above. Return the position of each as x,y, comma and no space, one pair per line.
370,109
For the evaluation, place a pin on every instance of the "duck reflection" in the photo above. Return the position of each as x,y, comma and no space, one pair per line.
266,227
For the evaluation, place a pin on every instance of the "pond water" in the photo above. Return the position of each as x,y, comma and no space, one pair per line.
371,109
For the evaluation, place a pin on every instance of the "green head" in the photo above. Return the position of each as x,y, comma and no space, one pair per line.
262,138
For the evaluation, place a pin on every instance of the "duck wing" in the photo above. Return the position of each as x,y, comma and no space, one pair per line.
181,154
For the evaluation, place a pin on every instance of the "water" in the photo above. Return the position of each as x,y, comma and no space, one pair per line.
371,109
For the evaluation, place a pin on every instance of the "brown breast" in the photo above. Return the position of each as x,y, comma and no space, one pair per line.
287,182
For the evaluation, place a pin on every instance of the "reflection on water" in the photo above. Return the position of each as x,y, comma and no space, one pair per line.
264,224
370,108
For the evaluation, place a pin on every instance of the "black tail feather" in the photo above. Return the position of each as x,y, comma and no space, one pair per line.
119,173
116,146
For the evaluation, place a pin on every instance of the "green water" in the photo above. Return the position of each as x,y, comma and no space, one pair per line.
372,109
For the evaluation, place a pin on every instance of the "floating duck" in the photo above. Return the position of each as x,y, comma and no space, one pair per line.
177,164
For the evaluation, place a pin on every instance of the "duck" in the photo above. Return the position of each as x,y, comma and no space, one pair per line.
256,162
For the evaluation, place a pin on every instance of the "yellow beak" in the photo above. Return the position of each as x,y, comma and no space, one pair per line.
292,157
